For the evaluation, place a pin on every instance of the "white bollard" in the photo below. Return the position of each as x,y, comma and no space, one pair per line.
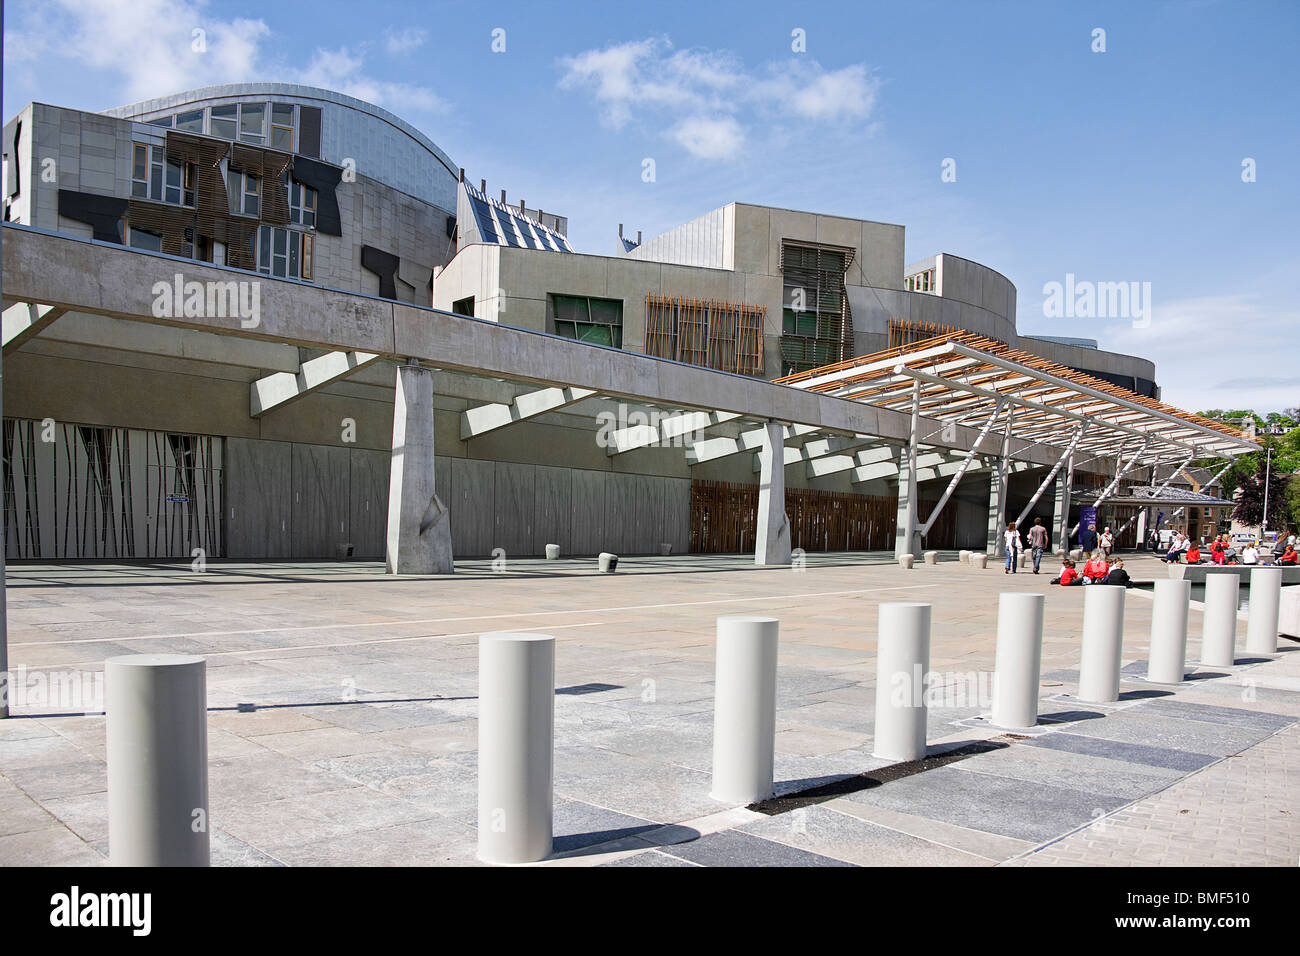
931,557
156,708
1018,661
1265,603
1168,655
963,557
552,552
1219,620
607,562
906,561
980,561
1103,642
516,746
744,709
902,661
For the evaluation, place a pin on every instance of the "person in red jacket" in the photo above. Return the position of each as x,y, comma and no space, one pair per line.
1194,553
1096,569
1068,576
1217,549
1289,556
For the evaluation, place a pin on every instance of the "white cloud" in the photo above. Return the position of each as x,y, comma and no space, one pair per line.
708,100
720,138
342,71
149,48
399,43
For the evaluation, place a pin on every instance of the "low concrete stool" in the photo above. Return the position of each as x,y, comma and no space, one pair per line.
931,557
979,560
552,552
1024,559
665,549
963,557
906,560
1076,555
608,562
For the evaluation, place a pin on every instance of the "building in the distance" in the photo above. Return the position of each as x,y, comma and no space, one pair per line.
131,434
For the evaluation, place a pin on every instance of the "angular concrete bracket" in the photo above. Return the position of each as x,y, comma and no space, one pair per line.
284,387
752,440
486,418
25,320
419,525
669,430
772,529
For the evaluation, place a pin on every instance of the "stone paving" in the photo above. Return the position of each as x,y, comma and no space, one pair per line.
342,724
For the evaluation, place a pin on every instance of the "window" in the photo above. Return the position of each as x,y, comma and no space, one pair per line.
284,253
224,121
162,121
139,239
599,321
302,203
190,122
180,183
920,282
463,306
252,123
727,336
245,191
147,172
282,126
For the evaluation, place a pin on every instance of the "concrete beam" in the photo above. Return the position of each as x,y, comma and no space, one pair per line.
488,418
25,320
713,448
281,388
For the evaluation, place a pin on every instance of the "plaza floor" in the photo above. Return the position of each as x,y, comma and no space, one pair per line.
342,719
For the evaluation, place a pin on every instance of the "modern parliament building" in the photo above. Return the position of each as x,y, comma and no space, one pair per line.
753,379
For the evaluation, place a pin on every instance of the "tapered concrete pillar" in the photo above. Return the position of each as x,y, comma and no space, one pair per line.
419,525
744,709
998,479
516,746
902,662
1168,661
1103,642
1018,660
156,713
1219,620
772,533
1265,603
1061,512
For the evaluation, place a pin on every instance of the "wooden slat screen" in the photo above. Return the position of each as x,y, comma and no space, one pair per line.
712,333
723,517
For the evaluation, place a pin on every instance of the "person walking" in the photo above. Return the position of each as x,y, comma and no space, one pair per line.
1107,543
1088,539
1014,547
1037,542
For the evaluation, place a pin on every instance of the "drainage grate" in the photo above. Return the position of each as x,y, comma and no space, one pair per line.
876,778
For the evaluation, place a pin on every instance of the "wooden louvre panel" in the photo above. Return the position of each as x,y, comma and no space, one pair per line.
712,333
269,166
723,517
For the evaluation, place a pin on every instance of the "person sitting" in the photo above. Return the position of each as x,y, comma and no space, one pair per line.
1289,556
1217,548
1068,575
1096,569
1118,576
1250,554
1176,547
1194,554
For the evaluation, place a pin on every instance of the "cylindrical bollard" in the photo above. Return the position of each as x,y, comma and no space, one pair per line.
931,557
1018,660
552,552
607,562
902,661
744,709
963,556
1265,603
980,561
1219,620
516,745
906,560
156,708
1168,655
1103,642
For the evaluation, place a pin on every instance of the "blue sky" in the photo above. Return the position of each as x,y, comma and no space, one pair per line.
1117,166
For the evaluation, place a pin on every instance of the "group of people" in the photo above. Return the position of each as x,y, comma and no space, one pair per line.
1097,569
1221,551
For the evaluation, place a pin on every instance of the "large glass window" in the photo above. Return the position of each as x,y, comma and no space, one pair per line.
284,253
816,325
252,123
190,122
302,203
224,120
282,126
245,191
139,239
599,321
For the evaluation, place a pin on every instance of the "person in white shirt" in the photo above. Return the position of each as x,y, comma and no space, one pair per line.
1107,543
1250,555
1014,547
